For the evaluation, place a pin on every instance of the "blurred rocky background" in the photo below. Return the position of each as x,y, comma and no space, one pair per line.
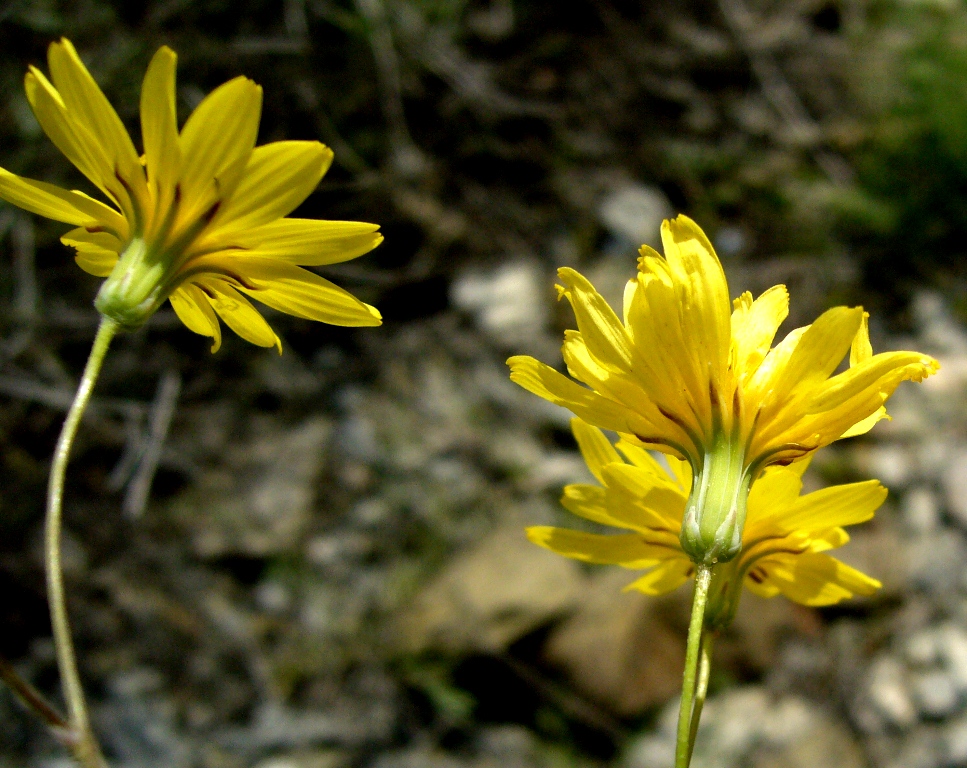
317,560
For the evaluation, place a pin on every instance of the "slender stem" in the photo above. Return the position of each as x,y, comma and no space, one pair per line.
86,750
701,688
31,698
683,747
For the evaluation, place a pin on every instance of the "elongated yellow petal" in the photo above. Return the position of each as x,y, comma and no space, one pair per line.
774,492
592,503
671,368
296,291
88,107
821,348
595,447
96,262
544,381
217,141
635,496
707,317
58,204
159,128
308,242
861,350
97,252
71,138
278,177
195,310
817,579
865,425
603,332
664,577
837,505
630,550
239,314
653,424
754,326
881,373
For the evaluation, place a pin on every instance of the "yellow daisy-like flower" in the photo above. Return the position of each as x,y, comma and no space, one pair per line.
199,218
692,374
783,547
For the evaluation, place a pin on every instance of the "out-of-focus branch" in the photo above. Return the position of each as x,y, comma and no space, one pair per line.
780,93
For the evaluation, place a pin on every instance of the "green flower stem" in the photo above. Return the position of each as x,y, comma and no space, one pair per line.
84,746
701,687
690,709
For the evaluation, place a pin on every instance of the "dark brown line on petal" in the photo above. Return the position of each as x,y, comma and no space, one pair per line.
208,215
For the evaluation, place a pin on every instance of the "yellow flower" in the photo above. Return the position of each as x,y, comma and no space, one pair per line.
199,218
783,547
690,373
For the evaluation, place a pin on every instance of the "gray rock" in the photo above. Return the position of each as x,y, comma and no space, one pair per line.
511,303
616,648
955,486
921,510
748,726
491,595
633,212
888,691
935,694
260,499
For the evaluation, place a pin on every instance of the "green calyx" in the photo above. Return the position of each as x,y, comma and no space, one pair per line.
716,508
136,288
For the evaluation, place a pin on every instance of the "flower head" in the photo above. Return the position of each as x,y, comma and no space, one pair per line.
689,373
784,542
199,218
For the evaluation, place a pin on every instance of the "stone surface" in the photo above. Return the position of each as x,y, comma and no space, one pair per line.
490,596
616,648
261,497
750,726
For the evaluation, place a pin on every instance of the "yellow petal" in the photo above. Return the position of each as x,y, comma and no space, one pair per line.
195,311
544,381
84,239
643,460
309,242
89,107
838,505
865,425
599,325
671,368
681,470
651,423
96,262
595,447
754,326
861,350
55,203
278,177
664,577
159,126
636,497
776,489
298,292
592,503
239,315
816,579
97,252
820,350
706,315
72,138
880,373
629,550
217,141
